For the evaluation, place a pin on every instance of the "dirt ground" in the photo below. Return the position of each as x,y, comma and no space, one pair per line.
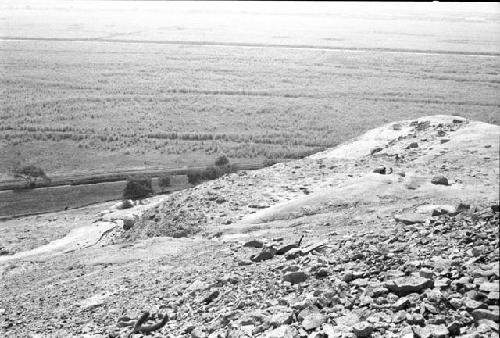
209,282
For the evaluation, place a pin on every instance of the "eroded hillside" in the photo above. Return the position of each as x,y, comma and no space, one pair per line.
394,234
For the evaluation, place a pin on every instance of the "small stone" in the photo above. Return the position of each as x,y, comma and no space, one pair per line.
284,249
258,206
93,302
211,297
485,314
349,319
254,244
321,273
376,150
397,126
427,273
380,170
265,254
406,332
291,268
418,319
456,302
361,283
441,283
434,296
477,251
348,276
412,145
410,218
333,331
454,328
462,281
489,287
363,329
128,222
486,325
472,305
494,296
295,277
380,291
401,303
439,180
284,331
282,318
405,285
313,320
198,333
439,331
393,274
473,294
244,262
294,253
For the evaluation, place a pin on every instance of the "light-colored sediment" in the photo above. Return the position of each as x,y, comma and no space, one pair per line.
368,238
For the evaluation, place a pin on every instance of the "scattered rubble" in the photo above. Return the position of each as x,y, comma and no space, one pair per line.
393,265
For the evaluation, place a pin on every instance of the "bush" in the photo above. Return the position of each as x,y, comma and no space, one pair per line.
30,174
164,181
221,161
209,173
127,204
269,162
138,188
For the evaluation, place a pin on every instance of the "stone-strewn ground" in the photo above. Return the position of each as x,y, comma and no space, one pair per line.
321,247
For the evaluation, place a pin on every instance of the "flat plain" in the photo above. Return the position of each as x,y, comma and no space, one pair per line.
116,86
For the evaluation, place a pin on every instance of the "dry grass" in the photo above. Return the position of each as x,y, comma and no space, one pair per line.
92,106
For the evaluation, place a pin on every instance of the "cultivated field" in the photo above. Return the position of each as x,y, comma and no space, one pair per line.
96,96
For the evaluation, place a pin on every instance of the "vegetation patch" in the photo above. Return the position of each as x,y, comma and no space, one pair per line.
138,188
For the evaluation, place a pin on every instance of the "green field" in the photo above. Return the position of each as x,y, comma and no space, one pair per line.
94,96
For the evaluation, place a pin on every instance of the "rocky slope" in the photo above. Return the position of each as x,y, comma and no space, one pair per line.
394,234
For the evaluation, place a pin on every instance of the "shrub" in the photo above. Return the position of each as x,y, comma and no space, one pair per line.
221,161
269,162
194,176
209,173
127,204
164,181
137,188
30,174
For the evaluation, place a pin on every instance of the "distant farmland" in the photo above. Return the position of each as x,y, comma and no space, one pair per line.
99,106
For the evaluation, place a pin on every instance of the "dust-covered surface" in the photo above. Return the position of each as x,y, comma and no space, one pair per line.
321,247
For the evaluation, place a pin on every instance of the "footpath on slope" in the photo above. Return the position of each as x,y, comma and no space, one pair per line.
410,250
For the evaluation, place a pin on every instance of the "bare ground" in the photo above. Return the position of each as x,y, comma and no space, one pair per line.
208,285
